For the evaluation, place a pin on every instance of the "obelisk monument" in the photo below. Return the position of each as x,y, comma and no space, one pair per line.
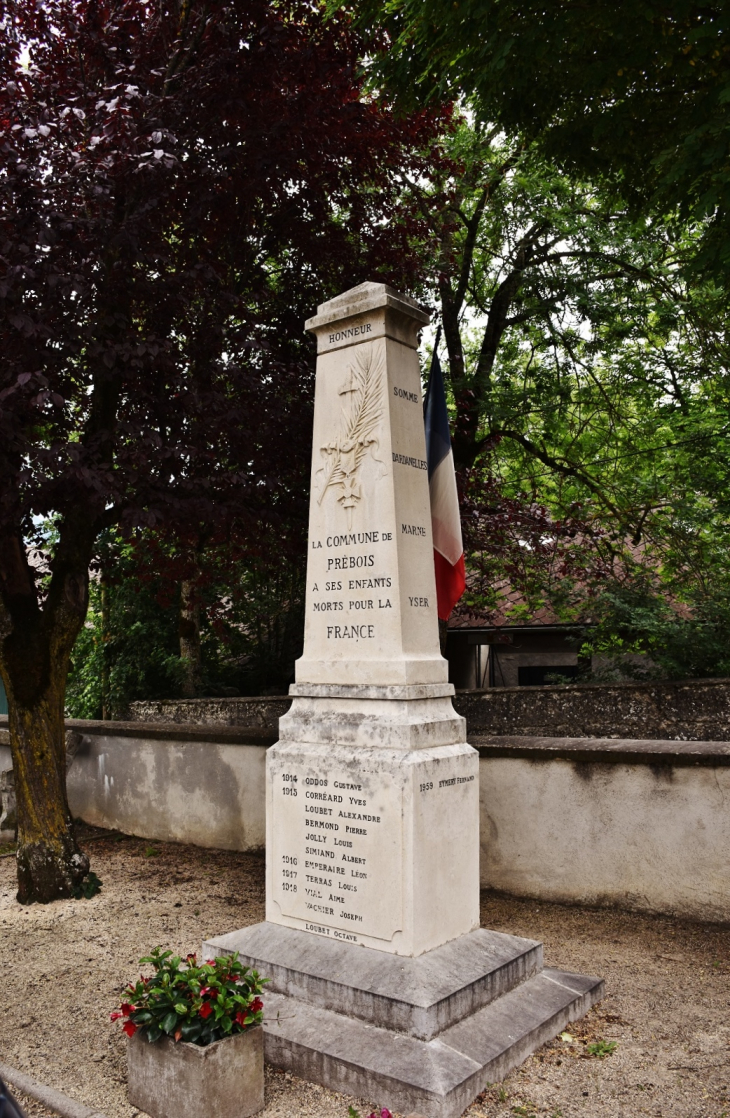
372,787
372,790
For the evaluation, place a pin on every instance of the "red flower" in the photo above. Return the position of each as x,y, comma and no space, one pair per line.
130,1028
240,1017
205,1010
127,1009
115,1016
256,1005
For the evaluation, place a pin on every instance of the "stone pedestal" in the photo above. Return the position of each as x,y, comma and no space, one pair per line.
423,1034
372,790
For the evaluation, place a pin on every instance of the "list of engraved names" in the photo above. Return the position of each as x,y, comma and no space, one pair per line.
332,833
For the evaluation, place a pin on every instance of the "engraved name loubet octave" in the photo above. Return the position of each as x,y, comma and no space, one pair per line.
361,391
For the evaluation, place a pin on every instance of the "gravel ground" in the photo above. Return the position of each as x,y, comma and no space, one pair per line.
64,965
31,1108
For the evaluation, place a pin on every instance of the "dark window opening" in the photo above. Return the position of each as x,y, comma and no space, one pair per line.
530,676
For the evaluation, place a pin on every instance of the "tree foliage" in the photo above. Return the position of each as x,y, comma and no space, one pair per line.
638,91
250,622
589,380
177,181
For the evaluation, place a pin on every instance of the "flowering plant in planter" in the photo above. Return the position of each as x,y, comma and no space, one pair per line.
199,1004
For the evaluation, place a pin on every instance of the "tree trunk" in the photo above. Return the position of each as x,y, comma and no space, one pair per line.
190,639
35,649
50,864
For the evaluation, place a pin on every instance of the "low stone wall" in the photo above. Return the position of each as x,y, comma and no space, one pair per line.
172,783
259,710
689,710
636,823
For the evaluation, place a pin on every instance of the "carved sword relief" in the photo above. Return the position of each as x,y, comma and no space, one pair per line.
361,413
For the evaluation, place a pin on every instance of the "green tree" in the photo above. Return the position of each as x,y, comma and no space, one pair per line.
128,647
636,90
590,391
249,625
175,181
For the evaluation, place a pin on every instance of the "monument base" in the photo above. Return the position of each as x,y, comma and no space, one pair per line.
423,1034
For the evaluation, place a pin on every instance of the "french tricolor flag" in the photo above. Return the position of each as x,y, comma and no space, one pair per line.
448,549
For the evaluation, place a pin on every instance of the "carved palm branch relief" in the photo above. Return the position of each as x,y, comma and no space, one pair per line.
361,413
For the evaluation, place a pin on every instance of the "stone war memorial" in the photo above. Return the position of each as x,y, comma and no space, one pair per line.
383,985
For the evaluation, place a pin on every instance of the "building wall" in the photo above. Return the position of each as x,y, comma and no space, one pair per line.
480,660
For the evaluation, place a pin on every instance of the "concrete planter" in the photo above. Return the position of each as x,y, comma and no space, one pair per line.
225,1079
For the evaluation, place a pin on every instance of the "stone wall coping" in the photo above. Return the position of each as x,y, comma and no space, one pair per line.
637,751
222,699
623,685
613,751
217,734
